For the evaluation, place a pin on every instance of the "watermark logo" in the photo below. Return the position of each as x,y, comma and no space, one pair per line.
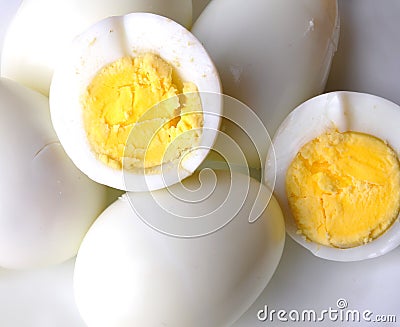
209,200
340,313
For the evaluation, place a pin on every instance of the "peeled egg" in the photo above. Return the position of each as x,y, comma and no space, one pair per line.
98,131
272,55
343,112
46,204
42,30
141,263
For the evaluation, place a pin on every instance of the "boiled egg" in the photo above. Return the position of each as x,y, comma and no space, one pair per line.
182,256
42,30
46,204
338,175
271,54
135,102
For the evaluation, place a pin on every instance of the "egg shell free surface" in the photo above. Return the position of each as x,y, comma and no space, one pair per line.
129,274
346,111
46,204
271,54
106,42
42,30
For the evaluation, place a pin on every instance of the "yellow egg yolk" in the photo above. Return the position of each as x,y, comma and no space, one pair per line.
127,120
344,188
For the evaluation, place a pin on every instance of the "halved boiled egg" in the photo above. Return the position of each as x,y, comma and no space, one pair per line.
41,31
338,175
133,102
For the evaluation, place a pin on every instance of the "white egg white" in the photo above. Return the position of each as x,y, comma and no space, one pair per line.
272,55
129,273
43,29
46,204
106,42
345,111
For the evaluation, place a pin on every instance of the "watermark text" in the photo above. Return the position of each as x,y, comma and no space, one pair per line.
340,313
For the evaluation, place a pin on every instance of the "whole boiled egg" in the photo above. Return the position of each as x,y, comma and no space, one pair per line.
42,30
46,204
159,259
338,175
135,102
271,55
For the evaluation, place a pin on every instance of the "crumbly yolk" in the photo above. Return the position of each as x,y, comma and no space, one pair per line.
121,129
344,188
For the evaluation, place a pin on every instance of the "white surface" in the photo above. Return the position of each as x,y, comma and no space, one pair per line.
38,298
367,61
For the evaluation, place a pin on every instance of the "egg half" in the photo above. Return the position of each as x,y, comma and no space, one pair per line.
352,203
42,30
132,272
126,82
46,204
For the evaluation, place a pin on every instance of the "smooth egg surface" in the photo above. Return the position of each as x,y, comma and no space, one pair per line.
105,43
131,271
341,111
42,30
272,55
46,204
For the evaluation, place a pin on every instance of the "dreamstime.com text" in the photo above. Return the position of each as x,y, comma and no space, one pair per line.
340,313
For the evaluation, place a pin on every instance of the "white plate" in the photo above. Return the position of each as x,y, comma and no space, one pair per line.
368,60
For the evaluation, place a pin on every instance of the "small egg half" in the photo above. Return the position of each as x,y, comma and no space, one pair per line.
129,102
132,272
338,175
